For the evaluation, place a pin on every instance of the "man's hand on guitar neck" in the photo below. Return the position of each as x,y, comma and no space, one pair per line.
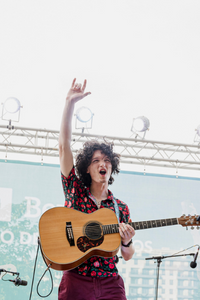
127,232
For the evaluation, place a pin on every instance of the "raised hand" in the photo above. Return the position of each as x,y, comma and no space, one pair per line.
76,91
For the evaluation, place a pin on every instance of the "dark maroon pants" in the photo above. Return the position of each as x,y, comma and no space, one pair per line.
78,287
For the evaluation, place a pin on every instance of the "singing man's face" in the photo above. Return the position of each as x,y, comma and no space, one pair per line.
100,168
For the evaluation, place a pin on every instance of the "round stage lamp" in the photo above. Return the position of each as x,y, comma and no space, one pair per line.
140,124
84,114
12,105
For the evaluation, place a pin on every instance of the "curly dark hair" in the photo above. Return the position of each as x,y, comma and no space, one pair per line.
84,158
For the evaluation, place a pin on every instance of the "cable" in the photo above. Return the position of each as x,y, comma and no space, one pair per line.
185,249
47,269
4,275
34,271
39,246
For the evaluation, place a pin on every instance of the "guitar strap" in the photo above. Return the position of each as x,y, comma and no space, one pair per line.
116,208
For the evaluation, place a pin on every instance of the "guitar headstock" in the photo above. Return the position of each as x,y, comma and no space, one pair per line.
192,221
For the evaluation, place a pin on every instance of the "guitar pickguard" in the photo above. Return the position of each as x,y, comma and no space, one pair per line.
84,244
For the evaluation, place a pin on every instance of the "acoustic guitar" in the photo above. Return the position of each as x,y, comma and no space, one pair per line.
69,237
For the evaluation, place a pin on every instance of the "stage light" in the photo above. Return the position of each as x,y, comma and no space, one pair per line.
84,118
11,110
140,124
198,130
84,114
12,105
197,135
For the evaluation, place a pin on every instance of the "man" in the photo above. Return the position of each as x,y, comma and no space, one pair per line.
96,278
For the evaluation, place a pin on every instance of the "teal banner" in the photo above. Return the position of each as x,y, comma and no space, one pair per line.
27,190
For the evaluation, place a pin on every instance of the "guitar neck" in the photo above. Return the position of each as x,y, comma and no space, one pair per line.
114,228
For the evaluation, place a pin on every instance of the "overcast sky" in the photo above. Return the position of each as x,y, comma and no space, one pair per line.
140,58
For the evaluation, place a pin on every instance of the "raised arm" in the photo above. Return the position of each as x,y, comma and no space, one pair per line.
76,93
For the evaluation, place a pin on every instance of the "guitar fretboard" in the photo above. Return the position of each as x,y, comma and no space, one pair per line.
114,228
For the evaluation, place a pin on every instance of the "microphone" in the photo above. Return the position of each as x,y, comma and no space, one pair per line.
193,263
18,282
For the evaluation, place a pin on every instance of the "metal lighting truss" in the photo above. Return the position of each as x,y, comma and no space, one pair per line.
144,152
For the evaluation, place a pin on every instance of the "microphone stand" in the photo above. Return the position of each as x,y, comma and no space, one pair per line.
5,271
159,260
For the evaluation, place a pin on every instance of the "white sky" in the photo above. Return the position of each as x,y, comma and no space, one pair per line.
140,57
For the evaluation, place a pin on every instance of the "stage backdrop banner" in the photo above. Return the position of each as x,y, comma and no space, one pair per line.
27,190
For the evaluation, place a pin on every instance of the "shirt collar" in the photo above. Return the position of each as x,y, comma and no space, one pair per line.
110,195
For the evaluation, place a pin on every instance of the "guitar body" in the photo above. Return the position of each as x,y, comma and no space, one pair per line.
68,238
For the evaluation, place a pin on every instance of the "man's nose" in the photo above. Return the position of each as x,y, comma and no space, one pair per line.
102,163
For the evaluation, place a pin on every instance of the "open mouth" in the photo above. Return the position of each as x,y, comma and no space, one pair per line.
102,172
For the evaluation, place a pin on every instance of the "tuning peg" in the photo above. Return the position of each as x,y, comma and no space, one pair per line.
192,227
186,228
197,227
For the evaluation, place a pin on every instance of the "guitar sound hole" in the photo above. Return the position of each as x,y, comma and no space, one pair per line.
93,230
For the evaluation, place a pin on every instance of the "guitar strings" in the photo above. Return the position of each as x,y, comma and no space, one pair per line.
95,228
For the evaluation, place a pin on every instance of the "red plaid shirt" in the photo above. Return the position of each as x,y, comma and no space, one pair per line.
78,197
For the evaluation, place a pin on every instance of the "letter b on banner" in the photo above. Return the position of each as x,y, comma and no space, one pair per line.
33,207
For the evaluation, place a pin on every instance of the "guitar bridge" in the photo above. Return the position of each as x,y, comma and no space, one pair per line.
69,233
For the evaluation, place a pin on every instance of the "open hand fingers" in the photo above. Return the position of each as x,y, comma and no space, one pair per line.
77,87
84,86
73,83
76,91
